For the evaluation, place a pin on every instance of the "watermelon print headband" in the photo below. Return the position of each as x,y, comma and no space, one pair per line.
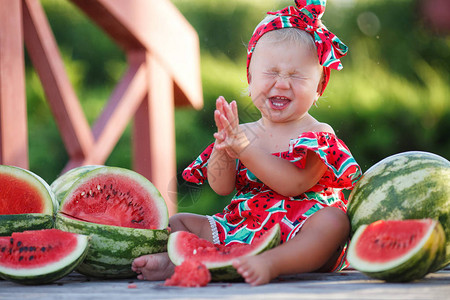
305,15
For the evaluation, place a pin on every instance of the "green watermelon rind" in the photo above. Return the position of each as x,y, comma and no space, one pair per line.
224,271
417,263
35,180
54,272
113,248
23,222
440,255
158,200
380,196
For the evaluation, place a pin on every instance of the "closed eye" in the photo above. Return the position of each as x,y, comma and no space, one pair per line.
271,73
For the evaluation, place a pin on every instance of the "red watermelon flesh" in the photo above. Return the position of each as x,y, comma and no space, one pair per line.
32,249
385,241
193,247
13,189
113,199
191,273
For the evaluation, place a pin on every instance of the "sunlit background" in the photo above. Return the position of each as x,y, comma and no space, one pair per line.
392,95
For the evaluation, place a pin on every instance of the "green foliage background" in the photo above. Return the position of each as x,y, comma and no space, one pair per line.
392,95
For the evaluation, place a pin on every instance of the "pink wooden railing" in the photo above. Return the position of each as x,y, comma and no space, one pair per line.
162,51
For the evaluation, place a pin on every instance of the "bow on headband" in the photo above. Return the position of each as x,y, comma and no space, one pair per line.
306,16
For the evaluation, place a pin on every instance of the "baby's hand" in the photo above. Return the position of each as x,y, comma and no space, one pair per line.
229,135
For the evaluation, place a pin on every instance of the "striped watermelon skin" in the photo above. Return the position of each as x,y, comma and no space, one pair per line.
22,222
408,185
113,248
416,267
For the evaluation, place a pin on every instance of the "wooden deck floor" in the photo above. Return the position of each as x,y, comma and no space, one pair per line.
345,285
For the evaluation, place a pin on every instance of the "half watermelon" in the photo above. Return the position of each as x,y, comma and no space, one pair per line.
122,211
218,259
41,256
407,185
26,201
398,250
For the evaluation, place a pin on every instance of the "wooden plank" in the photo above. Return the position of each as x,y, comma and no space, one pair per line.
342,285
13,114
154,134
47,61
158,26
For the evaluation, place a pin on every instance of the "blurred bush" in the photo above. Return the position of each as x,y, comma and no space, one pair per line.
391,96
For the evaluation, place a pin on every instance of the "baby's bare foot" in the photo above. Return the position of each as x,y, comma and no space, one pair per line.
254,269
153,267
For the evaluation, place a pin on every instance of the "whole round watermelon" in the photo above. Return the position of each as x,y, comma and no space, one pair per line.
408,185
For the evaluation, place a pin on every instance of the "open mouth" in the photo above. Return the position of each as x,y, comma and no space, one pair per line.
278,102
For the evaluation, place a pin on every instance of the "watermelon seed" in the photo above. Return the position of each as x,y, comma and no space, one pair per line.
20,258
195,251
3,249
19,243
107,197
11,241
99,187
31,257
43,249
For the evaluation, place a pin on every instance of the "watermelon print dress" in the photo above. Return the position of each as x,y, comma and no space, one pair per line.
255,207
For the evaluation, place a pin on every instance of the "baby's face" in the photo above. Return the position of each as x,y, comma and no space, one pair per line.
285,79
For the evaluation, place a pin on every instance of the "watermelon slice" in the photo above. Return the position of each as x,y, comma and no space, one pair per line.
398,250
41,256
26,201
184,246
122,211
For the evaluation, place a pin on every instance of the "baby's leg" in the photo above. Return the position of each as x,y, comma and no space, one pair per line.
158,266
314,248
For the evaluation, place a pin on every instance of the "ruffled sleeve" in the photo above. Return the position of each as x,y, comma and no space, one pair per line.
343,171
196,171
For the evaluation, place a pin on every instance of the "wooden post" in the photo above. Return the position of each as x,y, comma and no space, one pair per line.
47,60
154,134
13,114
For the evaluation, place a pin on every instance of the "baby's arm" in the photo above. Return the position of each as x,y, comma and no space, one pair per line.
280,174
221,164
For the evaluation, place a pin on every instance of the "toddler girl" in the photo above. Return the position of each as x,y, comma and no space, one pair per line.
287,167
